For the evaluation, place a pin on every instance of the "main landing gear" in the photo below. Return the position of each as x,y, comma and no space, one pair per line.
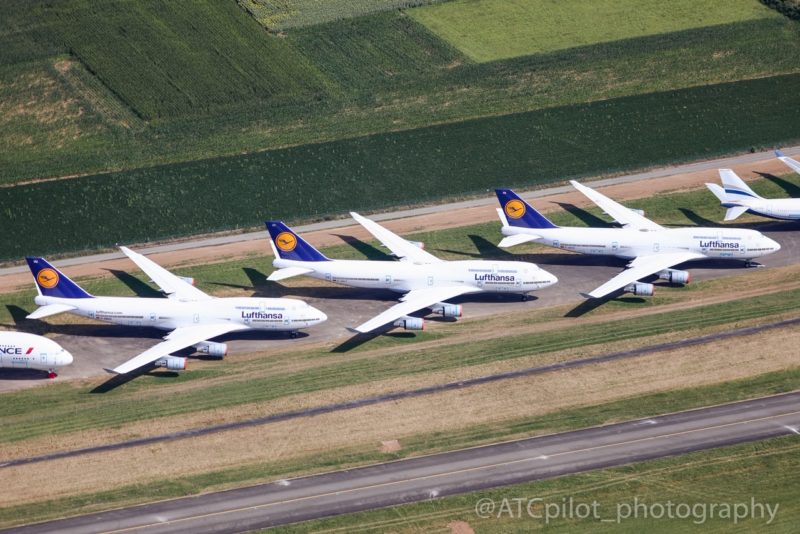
753,265
293,335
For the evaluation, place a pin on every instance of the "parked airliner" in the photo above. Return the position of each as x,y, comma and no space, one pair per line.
191,316
739,198
19,350
425,280
652,249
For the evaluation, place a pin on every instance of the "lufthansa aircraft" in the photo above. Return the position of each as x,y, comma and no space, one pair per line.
19,350
739,198
191,316
652,249
425,280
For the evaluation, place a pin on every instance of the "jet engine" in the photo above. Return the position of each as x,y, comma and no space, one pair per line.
641,289
674,276
188,279
410,323
216,350
174,363
447,310
418,244
637,211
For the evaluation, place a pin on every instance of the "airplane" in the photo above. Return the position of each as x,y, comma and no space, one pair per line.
652,249
19,350
425,280
739,198
191,316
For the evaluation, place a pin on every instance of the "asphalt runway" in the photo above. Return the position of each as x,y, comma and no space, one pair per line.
427,477
97,346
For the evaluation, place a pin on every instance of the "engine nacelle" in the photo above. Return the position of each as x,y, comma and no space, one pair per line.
216,350
447,310
410,323
173,363
637,211
640,289
418,244
188,279
674,276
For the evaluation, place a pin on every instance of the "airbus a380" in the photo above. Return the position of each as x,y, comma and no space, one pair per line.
652,249
191,316
19,350
739,198
425,280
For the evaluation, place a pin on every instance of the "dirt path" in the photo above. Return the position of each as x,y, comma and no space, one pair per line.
435,221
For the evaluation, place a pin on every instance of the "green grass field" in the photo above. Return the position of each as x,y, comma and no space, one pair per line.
486,30
284,14
427,164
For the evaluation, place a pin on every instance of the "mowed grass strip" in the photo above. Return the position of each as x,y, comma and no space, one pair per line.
487,30
519,150
67,408
297,13
697,488
562,420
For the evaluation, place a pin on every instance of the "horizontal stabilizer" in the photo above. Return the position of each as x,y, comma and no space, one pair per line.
517,239
791,163
734,212
718,192
50,309
288,272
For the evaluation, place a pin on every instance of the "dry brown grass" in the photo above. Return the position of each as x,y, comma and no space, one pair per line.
450,411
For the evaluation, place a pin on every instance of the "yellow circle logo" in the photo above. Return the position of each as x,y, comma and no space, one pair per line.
515,208
47,278
286,241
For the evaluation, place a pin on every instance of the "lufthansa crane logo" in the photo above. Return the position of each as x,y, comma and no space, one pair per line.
47,278
515,208
286,241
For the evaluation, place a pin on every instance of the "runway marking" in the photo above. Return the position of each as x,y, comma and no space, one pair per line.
456,472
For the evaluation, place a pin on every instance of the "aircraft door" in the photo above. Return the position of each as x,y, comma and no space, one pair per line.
196,318
430,280
615,246
656,247
388,279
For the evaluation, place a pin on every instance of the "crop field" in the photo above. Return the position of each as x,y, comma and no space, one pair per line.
485,30
516,150
284,14
371,74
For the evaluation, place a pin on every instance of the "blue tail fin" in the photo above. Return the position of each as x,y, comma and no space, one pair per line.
53,283
520,213
291,246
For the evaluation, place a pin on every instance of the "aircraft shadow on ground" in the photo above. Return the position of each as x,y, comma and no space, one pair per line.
586,217
140,288
358,339
119,380
788,187
368,250
23,374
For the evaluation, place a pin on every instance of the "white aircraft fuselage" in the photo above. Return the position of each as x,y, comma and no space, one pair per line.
775,208
19,350
725,243
169,314
401,276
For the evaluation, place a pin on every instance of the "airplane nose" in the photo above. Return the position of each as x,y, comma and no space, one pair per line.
65,358
321,315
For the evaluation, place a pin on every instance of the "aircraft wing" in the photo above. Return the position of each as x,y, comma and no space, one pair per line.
624,216
178,339
400,247
641,267
791,163
413,301
173,286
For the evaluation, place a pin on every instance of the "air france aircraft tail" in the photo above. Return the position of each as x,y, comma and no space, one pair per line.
519,213
287,245
50,282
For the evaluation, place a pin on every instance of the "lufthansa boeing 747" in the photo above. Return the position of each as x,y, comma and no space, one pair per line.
425,280
191,316
651,248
